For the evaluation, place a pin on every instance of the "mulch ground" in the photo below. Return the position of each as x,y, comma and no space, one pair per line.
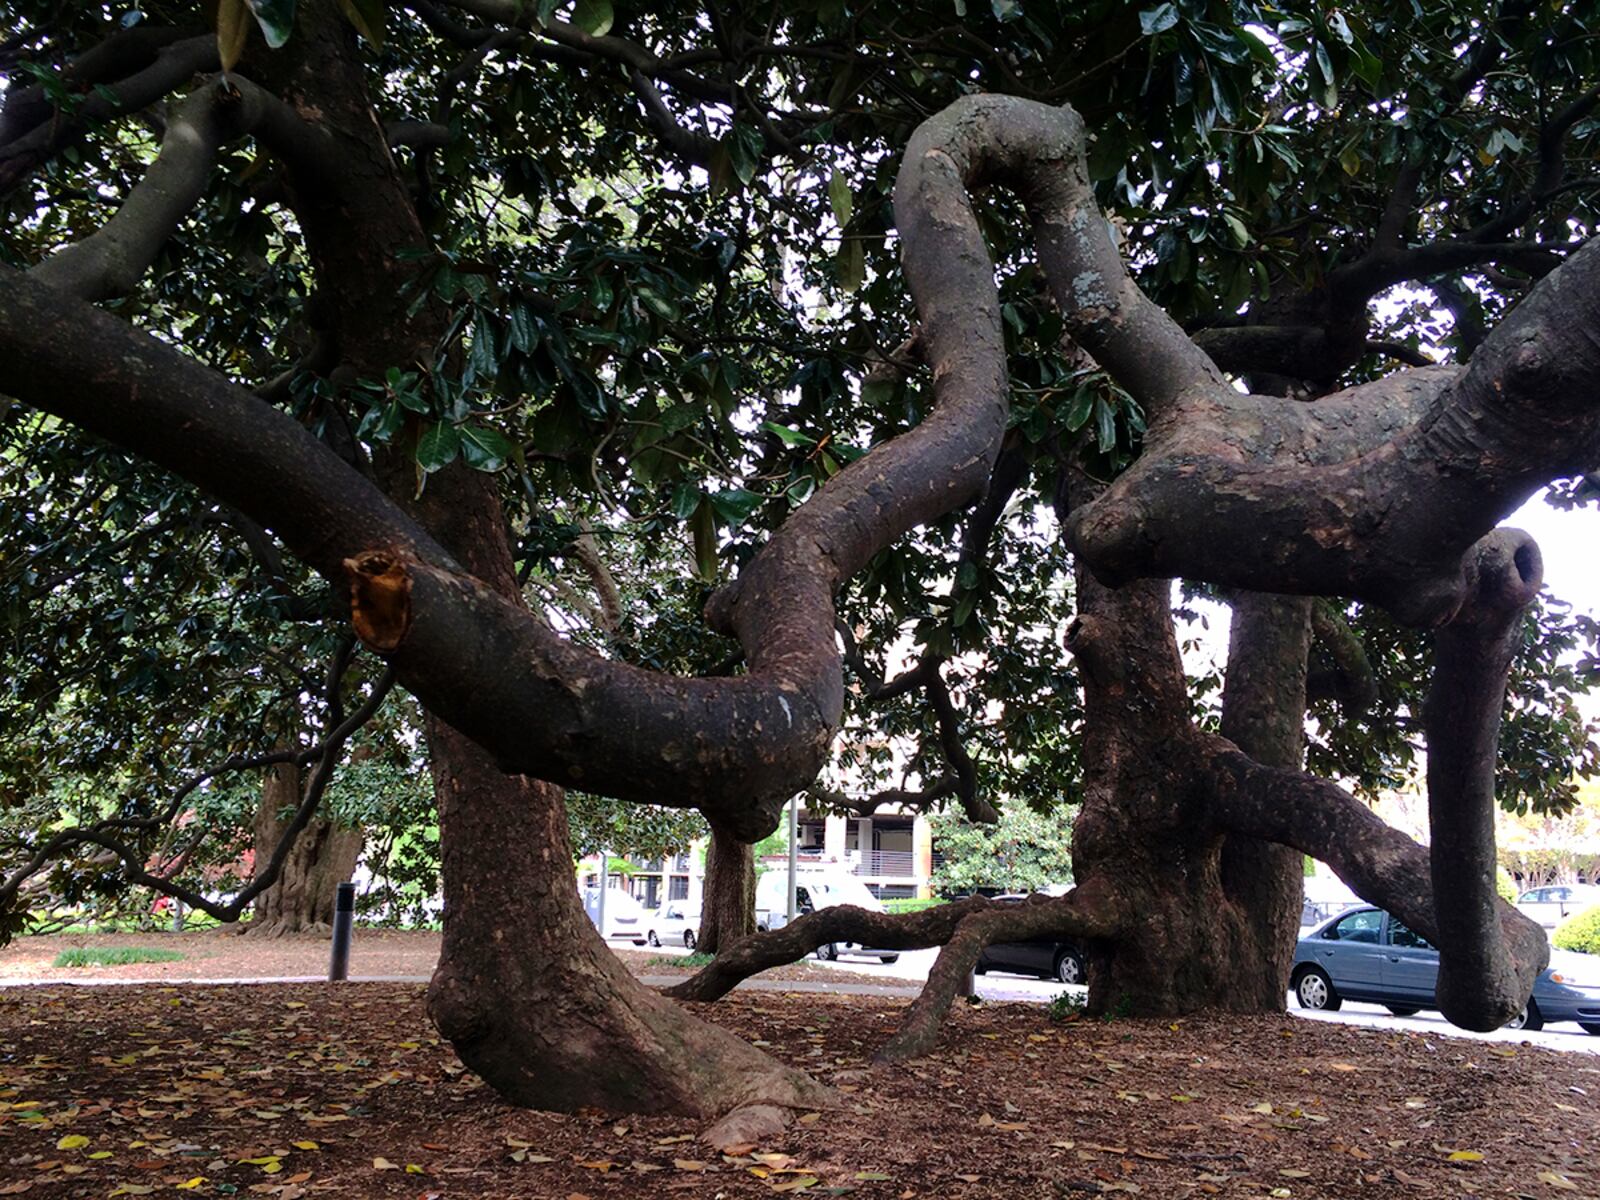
224,954
345,1091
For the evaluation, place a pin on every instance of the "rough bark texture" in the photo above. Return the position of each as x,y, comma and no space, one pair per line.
728,910
1263,713
323,857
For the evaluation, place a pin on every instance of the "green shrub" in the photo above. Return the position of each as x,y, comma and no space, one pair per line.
1068,1006
910,904
1580,932
1505,885
113,956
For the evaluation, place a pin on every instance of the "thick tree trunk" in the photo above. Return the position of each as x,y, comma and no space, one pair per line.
323,857
1186,939
529,995
728,911
1263,713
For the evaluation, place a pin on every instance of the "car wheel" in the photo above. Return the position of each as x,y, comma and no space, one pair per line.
1590,1029
688,939
1402,1010
1069,967
652,938
888,958
827,952
1315,991
1529,1020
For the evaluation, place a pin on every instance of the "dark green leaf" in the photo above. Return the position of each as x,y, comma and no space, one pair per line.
438,446
789,437
485,449
276,18
594,17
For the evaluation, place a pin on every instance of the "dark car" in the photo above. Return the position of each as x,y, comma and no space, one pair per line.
1047,958
1366,954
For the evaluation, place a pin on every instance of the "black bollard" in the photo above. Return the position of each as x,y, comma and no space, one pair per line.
344,916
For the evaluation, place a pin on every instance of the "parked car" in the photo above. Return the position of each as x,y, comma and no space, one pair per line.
1554,904
1366,954
674,922
817,889
624,914
1048,958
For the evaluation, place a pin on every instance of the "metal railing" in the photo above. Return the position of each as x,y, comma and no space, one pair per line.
898,864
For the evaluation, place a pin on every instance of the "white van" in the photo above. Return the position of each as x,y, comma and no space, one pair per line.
815,889
624,914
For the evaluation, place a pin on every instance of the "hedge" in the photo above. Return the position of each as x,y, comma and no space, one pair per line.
1579,932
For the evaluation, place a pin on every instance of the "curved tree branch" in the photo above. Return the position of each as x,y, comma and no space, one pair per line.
174,63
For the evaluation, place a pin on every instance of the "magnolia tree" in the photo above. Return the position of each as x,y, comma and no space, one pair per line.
428,308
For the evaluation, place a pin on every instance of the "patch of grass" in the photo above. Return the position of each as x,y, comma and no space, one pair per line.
693,961
113,956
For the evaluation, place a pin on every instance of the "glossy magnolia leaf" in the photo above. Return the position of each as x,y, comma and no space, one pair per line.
276,18
789,437
704,525
745,147
735,505
367,17
1158,19
839,196
438,446
852,264
233,27
594,17
485,449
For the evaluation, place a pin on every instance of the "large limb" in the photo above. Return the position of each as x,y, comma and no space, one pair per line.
1376,491
112,259
1380,863
737,748
1092,911
34,142
1479,985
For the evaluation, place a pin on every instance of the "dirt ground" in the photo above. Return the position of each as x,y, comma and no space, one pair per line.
224,954
345,1091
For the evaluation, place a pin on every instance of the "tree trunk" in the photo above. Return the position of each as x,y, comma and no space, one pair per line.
1263,713
728,911
525,990
529,995
1144,830
323,857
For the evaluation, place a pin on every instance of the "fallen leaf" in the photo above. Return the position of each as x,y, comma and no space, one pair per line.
73,1141
600,1164
1465,1156
869,1176
688,1164
1557,1181
383,1164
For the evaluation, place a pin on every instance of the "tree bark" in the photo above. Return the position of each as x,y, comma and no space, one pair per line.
728,911
529,995
323,857
1263,713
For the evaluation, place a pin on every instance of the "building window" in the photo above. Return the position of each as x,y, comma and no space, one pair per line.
678,888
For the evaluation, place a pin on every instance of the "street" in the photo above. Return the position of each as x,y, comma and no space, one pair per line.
914,965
